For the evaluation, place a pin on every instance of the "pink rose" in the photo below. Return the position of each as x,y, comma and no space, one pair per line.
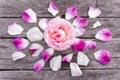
59,34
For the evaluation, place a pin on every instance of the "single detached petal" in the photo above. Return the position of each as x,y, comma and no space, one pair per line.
80,22
71,13
97,24
43,23
79,45
34,34
38,66
67,58
56,62
79,31
75,70
91,44
94,11
20,43
103,56
104,35
14,29
36,49
47,53
82,59
53,9
17,56
29,16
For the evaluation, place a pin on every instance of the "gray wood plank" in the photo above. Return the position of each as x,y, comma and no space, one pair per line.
60,75
14,8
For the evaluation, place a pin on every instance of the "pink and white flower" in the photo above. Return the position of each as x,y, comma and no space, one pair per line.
103,56
91,44
20,43
104,35
18,55
67,58
59,34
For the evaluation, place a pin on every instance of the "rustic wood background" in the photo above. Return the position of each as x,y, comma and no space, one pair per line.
10,11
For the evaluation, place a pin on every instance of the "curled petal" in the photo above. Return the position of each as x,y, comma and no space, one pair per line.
36,49
53,9
79,31
71,13
104,35
75,70
17,56
82,59
103,56
97,24
80,22
38,66
34,34
91,44
29,16
56,62
43,23
94,11
47,53
79,45
20,43
67,58
14,29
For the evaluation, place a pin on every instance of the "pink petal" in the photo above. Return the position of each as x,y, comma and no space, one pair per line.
79,45
29,16
14,29
80,22
97,24
94,11
36,49
91,44
79,31
38,66
17,56
53,9
104,35
103,56
67,58
71,12
20,43
43,23
47,53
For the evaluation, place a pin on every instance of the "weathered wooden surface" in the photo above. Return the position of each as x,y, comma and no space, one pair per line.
10,11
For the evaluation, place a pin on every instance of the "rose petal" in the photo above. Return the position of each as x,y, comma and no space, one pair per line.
82,59
53,9
56,62
79,31
47,53
103,56
38,66
79,45
34,34
97,24
75,70
104,35
71,13
67,58
94,11
18,55
36,49
80,22
43,23
91,44
20,43
29,16
14,29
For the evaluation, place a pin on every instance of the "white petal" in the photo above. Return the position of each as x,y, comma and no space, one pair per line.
97,24
82,59
34,34
56,62
79,31
75,70
36,49
67,58
14,29
17,56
